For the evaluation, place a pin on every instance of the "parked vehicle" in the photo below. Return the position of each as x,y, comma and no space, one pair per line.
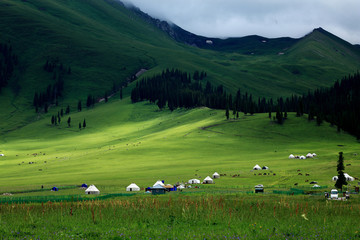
334,194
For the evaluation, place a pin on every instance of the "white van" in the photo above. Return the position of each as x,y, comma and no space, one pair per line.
334,194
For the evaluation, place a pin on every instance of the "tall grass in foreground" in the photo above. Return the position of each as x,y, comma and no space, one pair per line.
195,217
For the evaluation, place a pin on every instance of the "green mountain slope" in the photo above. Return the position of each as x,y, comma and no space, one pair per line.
105,43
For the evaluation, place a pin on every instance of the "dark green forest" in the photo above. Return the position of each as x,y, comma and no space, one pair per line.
177,89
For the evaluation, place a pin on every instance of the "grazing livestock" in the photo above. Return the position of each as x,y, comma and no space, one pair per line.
296,184
306,180
307,174
298,170
300,174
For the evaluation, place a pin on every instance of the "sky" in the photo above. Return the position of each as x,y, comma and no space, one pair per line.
267,18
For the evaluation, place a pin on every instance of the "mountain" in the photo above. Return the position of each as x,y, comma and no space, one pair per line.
245,45
105,44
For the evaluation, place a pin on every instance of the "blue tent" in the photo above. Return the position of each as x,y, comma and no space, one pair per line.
84,185
55,189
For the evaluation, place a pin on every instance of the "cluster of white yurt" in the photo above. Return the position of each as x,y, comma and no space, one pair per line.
347,177
309,155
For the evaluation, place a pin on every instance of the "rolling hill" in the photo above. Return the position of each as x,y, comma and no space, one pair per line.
105,44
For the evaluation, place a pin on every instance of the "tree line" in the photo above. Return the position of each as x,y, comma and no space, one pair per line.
178,89
8,62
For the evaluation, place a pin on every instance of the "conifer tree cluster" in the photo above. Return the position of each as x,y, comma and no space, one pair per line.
8,61
176,89
55,90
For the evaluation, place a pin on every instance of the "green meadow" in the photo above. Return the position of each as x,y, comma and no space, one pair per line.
125,143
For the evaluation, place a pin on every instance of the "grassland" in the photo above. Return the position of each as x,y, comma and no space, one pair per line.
126,143
184,217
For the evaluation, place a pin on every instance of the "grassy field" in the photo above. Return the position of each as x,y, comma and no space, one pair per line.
182,216
126,143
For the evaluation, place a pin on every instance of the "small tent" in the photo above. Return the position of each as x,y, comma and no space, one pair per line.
335,178
216,175
181,187
161,183
259,188
265,168
208,180
84,185
302,157
2,155
348,177
158,189
194,181
316,186
256,167
92,190
314,154
309,155
55,189
132,188
291,156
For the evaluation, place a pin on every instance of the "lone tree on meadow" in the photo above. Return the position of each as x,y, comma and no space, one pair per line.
340,169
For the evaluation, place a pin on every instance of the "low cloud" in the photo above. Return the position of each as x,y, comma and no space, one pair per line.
268,18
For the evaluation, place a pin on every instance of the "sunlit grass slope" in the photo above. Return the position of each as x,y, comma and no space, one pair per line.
126,143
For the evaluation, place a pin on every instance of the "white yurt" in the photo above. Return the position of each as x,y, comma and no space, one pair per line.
316,186
265,168
92,190
348,177
208,180
302,157
132,188
291,156
159,183
256,167
335,178
314,154
309,155
194,181
2,155
216,175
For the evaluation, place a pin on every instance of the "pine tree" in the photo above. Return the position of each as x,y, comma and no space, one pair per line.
52,120
227,114
80,126
67,111
121,93
84,123
340,169
79,106
69,121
